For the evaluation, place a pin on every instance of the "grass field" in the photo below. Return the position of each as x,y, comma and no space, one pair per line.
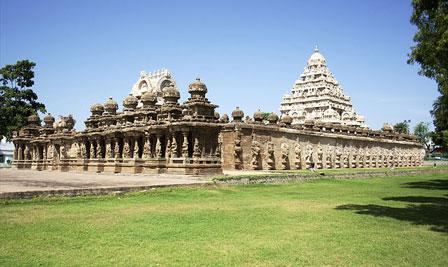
391,221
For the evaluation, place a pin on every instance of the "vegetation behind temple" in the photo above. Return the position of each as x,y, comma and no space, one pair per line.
431,53
17,99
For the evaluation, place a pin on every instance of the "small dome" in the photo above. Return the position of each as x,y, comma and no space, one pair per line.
97,109
49,120
273,118
130,102
111,106
316,58
286,119
170,94
216,115
224,118
148,98
197,87
258,116
70,122
237,114
33,119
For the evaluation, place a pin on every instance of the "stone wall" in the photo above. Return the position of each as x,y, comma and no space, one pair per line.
251,146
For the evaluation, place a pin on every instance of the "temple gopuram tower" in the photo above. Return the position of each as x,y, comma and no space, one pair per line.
317,96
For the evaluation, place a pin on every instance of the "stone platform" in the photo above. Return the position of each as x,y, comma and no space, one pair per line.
30,183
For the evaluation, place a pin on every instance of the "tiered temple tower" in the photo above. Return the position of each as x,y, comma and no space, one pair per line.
318,96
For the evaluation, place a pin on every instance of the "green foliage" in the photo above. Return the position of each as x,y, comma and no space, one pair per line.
431,53
266,115
402,127
390,221
17,99
421,130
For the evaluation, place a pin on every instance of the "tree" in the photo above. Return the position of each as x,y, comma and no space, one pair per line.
431,53
421,130
17,99
402,127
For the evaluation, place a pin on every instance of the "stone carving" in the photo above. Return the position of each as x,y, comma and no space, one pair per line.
147,148
255,150
270,156
285,156
136,149
214,143
158,147
237,154
126,149
185,145
298,160
317,88
174,148
168,148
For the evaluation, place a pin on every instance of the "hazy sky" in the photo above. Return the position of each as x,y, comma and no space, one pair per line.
249,53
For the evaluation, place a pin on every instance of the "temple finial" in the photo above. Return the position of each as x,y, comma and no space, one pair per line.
316,49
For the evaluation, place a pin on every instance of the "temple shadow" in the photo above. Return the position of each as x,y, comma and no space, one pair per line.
437,184
434,215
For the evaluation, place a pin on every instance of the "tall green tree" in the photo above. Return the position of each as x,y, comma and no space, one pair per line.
421,130
431,53
17,99
402,127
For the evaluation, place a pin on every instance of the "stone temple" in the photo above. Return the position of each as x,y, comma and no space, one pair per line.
154,133
318,96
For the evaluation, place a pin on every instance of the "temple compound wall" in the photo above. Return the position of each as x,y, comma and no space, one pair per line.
153,135
256,146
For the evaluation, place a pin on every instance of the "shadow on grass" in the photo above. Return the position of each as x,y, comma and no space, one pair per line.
430,211
438,184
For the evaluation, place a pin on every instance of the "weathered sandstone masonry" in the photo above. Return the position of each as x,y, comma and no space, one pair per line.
154,133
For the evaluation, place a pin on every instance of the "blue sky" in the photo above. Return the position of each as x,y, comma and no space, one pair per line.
249,53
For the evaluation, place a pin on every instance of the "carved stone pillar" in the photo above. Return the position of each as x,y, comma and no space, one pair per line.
92,150
196,150
117,149
158,147
84,150
168,147
14,156
174,147
136,148
126,148
108,148
19,152
185,145
26,153
147,147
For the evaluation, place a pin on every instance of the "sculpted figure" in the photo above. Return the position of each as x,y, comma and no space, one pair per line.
298,156
255,150
270,156
158,147
219,146
117,149
147,148
185,146
136,149
315,156
174,148
237,151
285,156
126,149
63,151
196,150
309,154
339,157
168,148
27,152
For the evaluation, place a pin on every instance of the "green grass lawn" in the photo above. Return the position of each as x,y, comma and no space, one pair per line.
378,221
